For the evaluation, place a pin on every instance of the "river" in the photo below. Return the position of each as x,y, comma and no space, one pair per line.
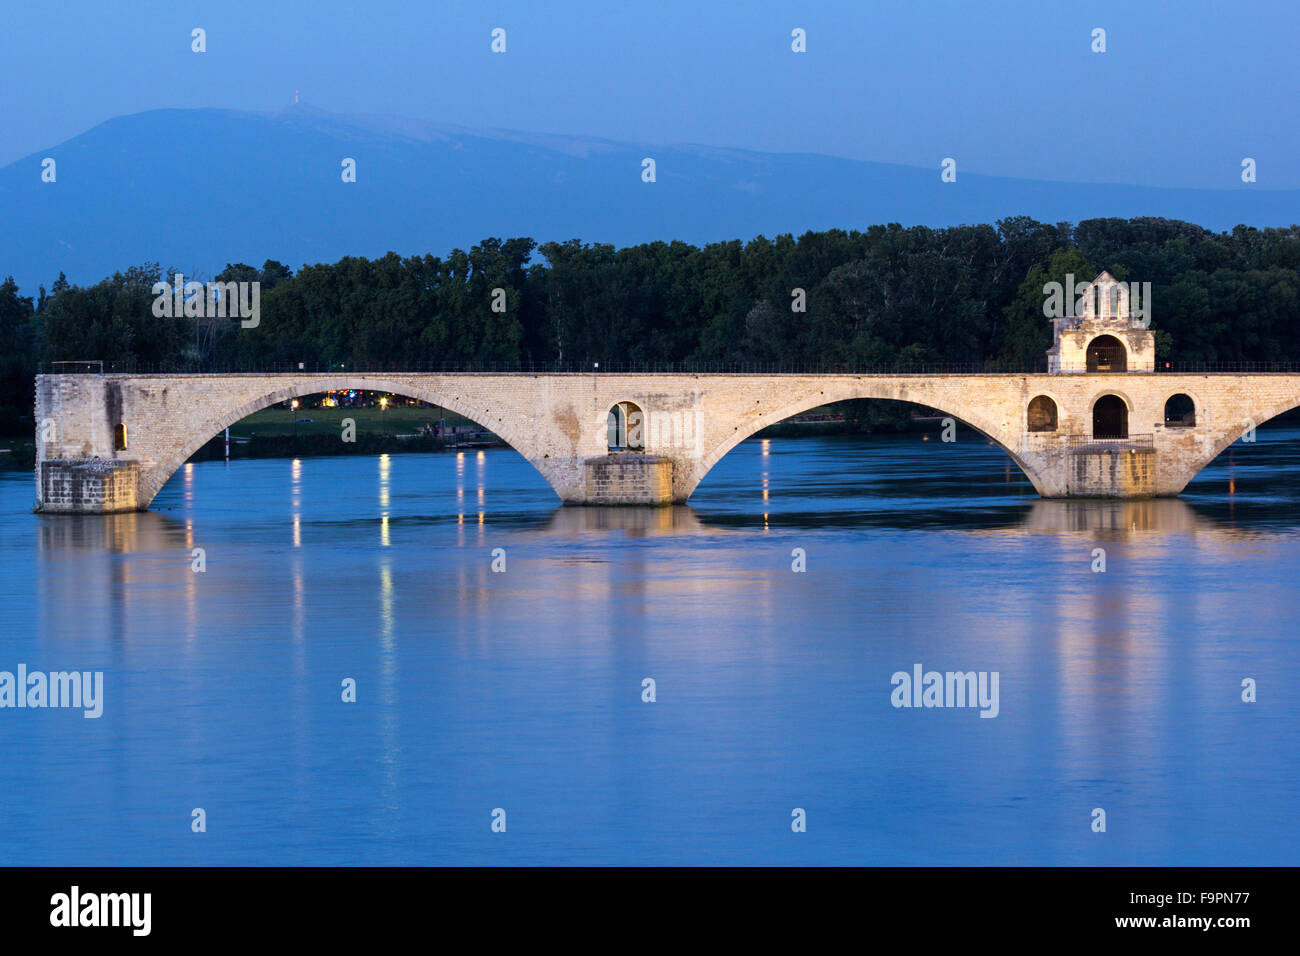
521,689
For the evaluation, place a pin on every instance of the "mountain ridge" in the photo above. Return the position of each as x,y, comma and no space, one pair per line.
198,188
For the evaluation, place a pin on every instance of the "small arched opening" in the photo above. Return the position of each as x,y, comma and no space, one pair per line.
119,437
1042,414
626,427
1107,354
1180,411
1110,417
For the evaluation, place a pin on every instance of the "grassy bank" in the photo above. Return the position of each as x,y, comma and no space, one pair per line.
397,419
279,432
317,445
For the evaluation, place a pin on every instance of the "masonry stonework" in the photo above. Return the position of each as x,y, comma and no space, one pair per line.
89,485
560,421
628,479
1112,473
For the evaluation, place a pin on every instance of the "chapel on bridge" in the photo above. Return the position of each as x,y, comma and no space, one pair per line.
1106,336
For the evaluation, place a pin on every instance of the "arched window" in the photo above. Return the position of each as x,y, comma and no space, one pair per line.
1107,354
1042,414
626,427
1110,417
1180,411
119,437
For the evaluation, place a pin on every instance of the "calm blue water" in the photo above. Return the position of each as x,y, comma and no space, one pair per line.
522,690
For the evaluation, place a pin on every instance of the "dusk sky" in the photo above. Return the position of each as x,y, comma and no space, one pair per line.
1183,92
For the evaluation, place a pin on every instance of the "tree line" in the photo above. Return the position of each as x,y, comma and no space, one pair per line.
885,297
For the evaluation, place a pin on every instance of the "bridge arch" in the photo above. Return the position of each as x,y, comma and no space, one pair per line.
1107,354
221,415
885,390
626,426
1110,415
1043,413
1180,411
1119,393
1215,442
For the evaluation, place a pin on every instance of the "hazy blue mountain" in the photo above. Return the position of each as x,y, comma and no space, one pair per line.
195,189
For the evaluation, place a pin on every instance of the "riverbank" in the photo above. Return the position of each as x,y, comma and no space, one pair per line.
316,446
17,454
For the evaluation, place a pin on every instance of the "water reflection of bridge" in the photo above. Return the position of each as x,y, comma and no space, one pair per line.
140,532
1152,514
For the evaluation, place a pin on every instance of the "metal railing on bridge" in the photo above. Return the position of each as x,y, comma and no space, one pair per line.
1089,442
94,367
132,367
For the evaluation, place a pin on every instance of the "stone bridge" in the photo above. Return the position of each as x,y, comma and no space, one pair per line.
109,442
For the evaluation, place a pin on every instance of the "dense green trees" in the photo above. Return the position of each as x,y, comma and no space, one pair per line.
888,296
17,357
111,320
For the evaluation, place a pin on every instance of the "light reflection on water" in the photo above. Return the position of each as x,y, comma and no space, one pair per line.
522,689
